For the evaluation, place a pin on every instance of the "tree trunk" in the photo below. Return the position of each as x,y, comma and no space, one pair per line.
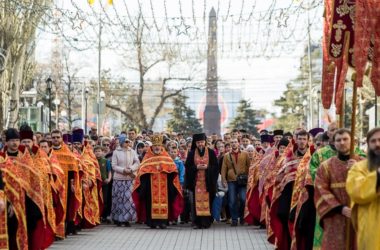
15,89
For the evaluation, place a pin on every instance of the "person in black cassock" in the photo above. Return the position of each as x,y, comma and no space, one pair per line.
201,179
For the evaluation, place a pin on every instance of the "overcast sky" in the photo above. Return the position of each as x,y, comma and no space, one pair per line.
243,62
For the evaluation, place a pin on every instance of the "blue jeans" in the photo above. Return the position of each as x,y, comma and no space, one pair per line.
217,206
236,200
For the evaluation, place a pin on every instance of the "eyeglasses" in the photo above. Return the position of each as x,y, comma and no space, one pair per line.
55,137
106,145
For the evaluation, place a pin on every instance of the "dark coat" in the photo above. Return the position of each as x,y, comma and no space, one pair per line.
212,172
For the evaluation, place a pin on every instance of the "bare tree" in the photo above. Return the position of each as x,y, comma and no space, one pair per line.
18,22
71,88
144,58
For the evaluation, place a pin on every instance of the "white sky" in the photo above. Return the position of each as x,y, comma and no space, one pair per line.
264,79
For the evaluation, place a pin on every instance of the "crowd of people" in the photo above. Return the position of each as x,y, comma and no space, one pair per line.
303,187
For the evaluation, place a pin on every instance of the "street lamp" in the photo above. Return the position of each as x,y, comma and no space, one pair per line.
102,95
49,82
85,109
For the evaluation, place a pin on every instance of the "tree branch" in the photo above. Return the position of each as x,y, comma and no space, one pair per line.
129,116
147,68
164,98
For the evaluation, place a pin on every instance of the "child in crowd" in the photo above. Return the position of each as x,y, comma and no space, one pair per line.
105,171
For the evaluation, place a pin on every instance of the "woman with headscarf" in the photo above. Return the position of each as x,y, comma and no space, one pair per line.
140,150
125,163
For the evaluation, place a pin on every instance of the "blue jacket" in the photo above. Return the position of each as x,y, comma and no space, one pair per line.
181,170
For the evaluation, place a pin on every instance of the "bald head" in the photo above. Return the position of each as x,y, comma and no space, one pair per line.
331,129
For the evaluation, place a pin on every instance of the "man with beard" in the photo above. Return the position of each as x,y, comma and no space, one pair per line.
13,234
201,179
46,227
363,187
157,192
69,165
235,175
317,158
21,165
331,199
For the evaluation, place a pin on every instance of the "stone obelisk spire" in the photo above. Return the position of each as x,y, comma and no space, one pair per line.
212,112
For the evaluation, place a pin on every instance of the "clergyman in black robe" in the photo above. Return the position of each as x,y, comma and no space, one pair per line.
201,179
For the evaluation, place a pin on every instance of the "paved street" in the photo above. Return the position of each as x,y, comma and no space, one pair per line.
220,236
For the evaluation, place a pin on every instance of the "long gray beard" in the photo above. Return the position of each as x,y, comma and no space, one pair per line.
373,160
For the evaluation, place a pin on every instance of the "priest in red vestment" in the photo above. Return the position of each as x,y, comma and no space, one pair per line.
331,199
282,195
157,192
73,187
18,166
44,234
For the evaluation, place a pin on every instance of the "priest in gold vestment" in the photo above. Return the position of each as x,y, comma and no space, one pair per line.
363,187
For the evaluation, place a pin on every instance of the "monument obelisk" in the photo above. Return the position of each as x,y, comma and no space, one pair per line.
212,113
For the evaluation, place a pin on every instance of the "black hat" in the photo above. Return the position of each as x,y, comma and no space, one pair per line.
278,132
26,132
78,135
197,137
266,138
283,142
11,133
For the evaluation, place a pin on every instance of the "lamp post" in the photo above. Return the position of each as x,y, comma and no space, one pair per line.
85,110
49,82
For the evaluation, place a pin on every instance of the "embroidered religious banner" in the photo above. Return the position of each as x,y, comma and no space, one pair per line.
351,39
338,49
367,41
